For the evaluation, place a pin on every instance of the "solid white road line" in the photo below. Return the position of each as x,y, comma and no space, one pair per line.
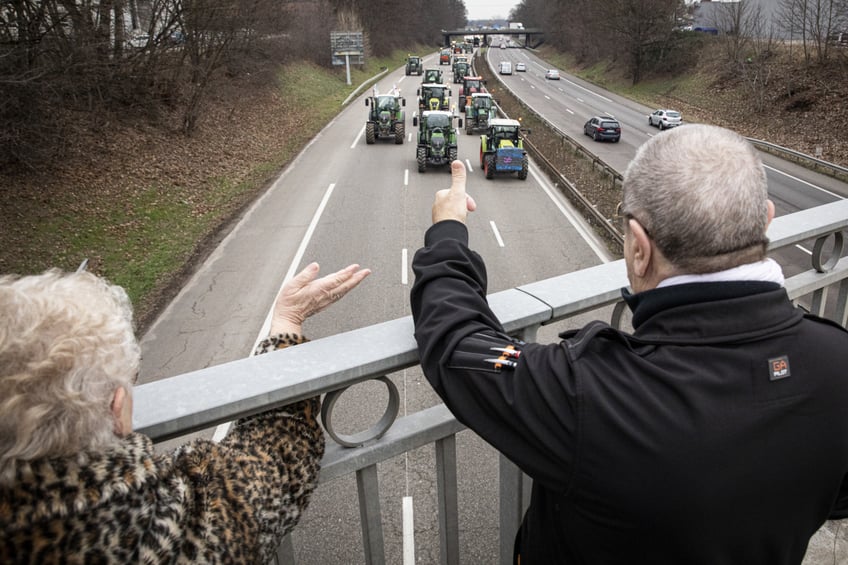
222,429
408,532
573,218
497,233
796,179
356,139
404,267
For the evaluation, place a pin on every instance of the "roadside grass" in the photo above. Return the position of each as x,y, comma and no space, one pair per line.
146,237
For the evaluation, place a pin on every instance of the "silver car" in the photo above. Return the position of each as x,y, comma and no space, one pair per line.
664,119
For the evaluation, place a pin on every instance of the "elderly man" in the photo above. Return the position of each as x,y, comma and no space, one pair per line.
715,433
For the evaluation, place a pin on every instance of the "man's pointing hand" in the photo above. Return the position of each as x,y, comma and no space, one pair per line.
453,203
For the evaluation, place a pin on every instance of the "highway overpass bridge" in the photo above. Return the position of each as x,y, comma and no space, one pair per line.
530,37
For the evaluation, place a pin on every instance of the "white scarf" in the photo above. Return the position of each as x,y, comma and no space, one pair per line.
766,270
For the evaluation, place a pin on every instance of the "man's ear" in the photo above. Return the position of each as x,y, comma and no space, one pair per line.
119,405
641,251
770,209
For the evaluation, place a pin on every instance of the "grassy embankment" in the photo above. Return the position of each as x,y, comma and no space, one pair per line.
145,218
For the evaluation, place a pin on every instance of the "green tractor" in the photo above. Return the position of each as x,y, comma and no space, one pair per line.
432,76
437,139
386,118
414,65
479,112
502,149
460,70
433,97
458,60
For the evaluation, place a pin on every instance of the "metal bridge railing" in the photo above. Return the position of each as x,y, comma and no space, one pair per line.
185,403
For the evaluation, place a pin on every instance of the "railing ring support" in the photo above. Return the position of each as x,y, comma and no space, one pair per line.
618,314
835,254
374,432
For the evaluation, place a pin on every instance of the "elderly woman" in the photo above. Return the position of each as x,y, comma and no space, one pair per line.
78,486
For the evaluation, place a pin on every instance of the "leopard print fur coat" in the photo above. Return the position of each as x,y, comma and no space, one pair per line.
230,502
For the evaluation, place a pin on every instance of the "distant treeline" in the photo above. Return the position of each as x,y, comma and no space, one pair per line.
62,58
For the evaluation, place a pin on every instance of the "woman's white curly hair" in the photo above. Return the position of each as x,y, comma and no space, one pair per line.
66,345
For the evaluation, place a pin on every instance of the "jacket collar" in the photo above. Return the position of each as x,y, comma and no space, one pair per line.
711,311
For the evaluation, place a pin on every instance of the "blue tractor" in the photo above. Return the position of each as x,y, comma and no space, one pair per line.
502,149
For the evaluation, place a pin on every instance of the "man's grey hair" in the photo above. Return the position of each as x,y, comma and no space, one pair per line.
701,193
66,345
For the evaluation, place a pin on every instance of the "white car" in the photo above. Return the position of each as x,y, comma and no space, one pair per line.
665,119
552,74
520,68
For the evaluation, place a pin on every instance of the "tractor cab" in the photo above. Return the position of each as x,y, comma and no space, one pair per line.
480,110
482,101
433,97
414,65
460,70
471,85
437,139
432,76
504,133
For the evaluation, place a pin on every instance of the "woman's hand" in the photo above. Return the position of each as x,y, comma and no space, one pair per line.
304,295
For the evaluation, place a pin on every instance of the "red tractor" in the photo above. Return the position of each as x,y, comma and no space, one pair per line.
467,87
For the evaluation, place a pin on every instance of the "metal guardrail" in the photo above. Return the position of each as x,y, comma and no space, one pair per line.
199,400
831,169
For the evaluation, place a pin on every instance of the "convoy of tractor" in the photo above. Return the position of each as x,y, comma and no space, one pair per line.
437,140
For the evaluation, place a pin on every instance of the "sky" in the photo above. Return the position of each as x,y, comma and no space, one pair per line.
486,9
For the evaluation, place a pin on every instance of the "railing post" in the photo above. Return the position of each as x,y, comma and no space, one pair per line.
842,304
370,517
511,488
448,503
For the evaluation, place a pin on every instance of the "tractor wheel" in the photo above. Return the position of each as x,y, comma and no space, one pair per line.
489,168
468,129
452,154
399,133
525,165
422,159
482,161
369,133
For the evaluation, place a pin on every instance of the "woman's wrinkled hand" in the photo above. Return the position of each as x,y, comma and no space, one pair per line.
304,295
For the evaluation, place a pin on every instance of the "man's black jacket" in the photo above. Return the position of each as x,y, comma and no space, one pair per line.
716,434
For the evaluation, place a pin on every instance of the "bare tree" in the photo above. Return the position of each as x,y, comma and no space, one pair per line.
814,21
644,29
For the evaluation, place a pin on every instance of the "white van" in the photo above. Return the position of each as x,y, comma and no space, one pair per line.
505,67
